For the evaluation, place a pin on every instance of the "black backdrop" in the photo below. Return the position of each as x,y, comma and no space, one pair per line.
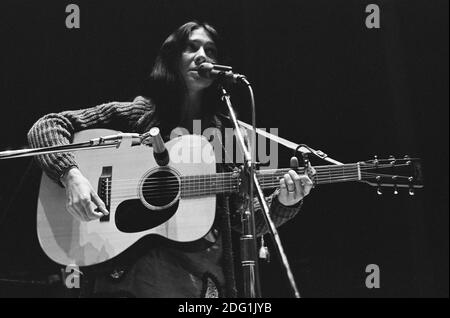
319,75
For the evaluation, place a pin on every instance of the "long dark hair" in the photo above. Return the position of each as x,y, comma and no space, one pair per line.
167,88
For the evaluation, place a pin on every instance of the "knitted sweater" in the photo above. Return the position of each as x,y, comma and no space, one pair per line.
139,116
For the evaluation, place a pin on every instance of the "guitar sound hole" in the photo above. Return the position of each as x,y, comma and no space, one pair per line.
160,188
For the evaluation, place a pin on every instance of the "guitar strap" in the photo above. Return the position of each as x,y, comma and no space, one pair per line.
282,141
290,144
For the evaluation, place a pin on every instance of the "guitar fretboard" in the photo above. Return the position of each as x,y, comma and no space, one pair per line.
229,182
324,174
226,182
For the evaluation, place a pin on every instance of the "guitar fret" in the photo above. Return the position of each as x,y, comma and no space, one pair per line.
209,185
195,183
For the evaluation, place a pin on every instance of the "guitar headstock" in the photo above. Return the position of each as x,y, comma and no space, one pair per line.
396,173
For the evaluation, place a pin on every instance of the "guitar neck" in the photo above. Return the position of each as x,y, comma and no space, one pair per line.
229,182
197,185
324,174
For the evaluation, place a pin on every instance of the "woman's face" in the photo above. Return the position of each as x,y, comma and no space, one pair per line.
200,48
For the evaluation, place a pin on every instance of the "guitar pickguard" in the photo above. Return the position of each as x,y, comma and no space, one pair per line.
132,216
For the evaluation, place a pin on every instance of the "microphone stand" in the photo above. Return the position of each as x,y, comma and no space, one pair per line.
248,237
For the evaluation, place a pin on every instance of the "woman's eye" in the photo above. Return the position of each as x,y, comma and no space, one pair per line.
191,47
211,52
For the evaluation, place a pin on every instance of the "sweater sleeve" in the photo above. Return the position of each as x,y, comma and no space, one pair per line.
278,212
59,129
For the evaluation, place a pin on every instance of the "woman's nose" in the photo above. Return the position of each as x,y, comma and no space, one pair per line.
200,56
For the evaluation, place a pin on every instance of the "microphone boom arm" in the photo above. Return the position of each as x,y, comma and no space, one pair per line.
113,141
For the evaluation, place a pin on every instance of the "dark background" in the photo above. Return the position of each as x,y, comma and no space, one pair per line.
319,75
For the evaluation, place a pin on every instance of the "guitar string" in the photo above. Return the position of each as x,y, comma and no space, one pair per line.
196,183
200,192
218,183
231,187
193,191
319,170
192,184
204,193
218,180
187,186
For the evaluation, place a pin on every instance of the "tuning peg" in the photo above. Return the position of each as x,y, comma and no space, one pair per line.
392,159
411,188
375,159
394,179
407,159
305,160
379,192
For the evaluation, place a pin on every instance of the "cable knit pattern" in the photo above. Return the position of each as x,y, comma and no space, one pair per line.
58,129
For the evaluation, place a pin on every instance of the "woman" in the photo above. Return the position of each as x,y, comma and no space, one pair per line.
178,96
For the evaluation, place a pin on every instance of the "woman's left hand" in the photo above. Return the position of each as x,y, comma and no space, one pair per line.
294,187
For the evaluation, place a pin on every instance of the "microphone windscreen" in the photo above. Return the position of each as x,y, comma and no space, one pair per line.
205,69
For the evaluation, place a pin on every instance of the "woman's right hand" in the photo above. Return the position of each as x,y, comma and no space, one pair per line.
82,200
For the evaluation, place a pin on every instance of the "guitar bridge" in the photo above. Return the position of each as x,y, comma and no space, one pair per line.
104,190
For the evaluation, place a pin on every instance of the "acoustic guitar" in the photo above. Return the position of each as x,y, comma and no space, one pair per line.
176,202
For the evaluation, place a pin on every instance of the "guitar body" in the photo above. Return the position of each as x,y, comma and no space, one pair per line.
128,175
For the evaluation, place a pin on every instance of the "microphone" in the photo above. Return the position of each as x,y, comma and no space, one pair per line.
209,70
160,152
135,139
